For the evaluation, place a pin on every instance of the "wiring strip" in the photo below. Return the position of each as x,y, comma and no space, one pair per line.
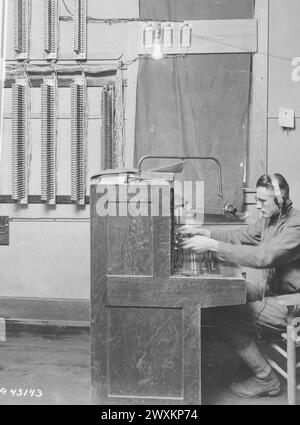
21,41
51,29
20,128
48,137
79,28
107,127
78,139
119,120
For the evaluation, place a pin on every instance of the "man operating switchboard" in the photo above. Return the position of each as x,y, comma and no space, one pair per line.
272,244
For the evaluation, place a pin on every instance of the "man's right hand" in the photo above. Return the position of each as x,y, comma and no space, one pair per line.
189,230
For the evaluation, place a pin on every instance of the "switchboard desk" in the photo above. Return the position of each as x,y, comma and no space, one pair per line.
146,302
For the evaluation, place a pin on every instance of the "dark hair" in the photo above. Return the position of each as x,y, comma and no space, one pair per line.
266,181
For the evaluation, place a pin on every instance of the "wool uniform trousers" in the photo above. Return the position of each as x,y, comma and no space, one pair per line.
262,315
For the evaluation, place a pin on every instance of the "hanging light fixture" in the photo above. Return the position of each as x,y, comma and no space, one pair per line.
157,50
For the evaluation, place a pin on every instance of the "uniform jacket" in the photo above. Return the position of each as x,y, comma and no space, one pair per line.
272,243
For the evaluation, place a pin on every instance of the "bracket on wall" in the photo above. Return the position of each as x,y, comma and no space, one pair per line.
4,230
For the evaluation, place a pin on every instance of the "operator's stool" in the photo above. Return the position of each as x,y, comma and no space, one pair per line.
292,342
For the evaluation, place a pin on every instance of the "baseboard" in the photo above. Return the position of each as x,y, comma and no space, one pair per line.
61,312
57,312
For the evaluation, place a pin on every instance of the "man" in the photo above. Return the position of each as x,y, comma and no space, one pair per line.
272,244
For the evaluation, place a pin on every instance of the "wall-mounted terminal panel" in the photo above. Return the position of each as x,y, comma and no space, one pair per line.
48,140
118,121
51,28
21,41
78,139
20,127
80,29
107,127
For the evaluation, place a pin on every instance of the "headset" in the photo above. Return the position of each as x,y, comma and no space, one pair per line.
278,195
279,200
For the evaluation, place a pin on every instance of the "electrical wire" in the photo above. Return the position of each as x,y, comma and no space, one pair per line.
46,219
148,56
29,143
67,8
111,21
12,69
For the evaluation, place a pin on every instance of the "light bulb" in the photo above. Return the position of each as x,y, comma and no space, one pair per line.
157,51
167,36
185,36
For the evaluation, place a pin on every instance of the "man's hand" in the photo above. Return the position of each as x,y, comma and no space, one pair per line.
189,230
200,244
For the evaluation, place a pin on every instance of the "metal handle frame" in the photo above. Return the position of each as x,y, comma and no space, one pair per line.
184,158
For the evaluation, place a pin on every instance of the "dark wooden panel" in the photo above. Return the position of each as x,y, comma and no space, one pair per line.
175,292
145,352
4,230
161,246
130,246
189,9
98,302
192,354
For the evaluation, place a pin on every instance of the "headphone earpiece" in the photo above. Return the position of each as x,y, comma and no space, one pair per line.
278,195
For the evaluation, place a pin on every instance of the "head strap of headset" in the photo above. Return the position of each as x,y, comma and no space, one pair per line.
277,190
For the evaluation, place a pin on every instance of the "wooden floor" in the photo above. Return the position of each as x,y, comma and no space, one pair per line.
220,367
52,361
43,365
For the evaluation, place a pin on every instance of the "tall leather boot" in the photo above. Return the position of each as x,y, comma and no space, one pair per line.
264,381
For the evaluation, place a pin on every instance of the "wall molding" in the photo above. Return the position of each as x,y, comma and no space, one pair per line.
249,196
258,134
63,312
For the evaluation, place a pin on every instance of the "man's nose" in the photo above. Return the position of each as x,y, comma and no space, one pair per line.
258,205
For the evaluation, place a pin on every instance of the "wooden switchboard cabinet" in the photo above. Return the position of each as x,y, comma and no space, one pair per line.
146,320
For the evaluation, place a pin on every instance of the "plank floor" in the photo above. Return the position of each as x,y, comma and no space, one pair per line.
51,366
55,362
220,367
